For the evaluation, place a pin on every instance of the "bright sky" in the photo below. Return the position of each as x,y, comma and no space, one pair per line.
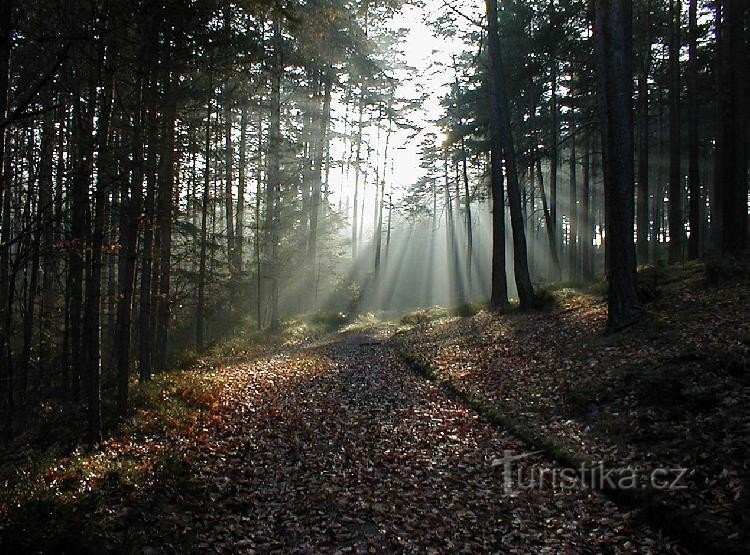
422,50
426,54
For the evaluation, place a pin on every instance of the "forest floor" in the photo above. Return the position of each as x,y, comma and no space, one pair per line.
672,392
341,444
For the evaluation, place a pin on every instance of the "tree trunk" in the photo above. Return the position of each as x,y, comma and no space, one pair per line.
357,170
165,216
258,227
676,226
321,145
228,181
694,217
499,293
129,224
6,45
547,219
79,235
239,233
553,161
643,146
613,42
47,213
572,201
273,204
731,178
94,278
467,208
29,313
200,325
520,260
144,313
586,229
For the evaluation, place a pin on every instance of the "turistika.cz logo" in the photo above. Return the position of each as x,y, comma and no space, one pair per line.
535,477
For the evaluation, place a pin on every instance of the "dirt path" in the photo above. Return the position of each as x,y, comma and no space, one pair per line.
337,447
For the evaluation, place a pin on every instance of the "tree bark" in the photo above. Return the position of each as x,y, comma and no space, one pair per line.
676,226
694,217
200,325
586,229
320,149
273,184
166,178
613,43
731,178
357,170
643,146
553,162
239,233
228,181
572,201
94,277
501,118
499,294
144,313
129,224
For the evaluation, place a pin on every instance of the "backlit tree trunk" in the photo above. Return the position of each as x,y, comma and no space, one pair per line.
613,42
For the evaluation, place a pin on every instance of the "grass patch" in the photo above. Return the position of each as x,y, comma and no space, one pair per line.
56,501
434,313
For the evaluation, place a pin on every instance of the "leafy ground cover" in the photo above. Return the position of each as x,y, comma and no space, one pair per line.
328,445
671,392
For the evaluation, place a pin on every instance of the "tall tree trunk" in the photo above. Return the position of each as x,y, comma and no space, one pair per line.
228,99
643,147
573,202
694,218
547,218
6,44
357,169
553,160
165,210
467,208
499,283
613,42
129,224
239,233
676,226
258,226
722,107
200,312
146,290
586,229
731,178
321,145
273,204
450,243
94,278
30,309
500,117
228,180
47,214
380,205
79,236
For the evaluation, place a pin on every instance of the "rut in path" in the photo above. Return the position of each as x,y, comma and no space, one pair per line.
338,446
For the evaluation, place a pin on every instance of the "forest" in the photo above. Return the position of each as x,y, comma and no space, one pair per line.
315,275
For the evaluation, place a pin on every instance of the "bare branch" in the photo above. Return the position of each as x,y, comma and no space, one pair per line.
20,110
464,16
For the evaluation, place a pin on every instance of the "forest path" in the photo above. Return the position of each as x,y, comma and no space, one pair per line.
336,445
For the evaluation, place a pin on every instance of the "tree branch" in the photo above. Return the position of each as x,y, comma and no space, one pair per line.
464,16
19,111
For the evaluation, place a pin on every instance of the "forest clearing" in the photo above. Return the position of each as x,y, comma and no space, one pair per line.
356,276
